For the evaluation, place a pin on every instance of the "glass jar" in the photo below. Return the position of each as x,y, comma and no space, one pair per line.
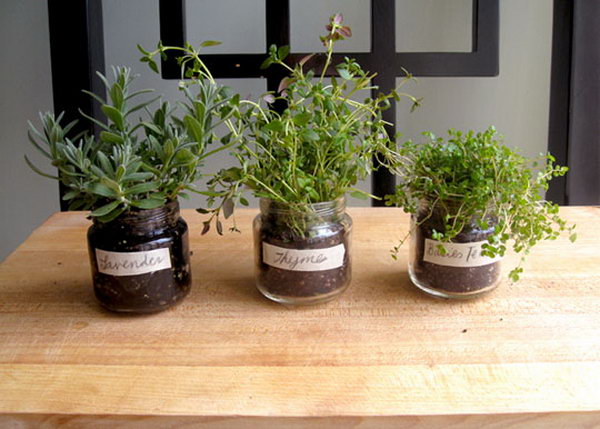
141,260
302,257
459,270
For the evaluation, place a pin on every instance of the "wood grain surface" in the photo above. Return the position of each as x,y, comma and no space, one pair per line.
381,355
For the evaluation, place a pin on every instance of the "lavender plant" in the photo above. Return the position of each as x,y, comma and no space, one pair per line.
137,162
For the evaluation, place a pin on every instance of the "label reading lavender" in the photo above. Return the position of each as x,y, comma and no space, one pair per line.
304,260
457,254
132,263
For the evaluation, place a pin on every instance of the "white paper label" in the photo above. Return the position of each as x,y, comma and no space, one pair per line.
132,263
304,260
457,254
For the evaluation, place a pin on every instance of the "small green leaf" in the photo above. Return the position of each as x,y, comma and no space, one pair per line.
142,188
112,215
359,195
184,157
344,73
116,95
153,66
309,135
114,115
514,274
36,144
111,184
302,119
283,52
38,171
266,63
109,137
138,177
70,195
207,43
169,149
194,127
76,204
119,173
232,174
149,203
102,190
142,50
106,209
275,125
151,127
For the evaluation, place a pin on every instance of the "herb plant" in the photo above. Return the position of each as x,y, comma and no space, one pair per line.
134,162
475,177
315,149
323,141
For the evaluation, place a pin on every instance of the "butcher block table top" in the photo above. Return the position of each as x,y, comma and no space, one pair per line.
383,354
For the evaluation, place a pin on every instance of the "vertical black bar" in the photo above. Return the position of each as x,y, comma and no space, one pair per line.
383,47
172,32
474,25
583,180
77,52
278,22
560,95
278,33
483,61
486,35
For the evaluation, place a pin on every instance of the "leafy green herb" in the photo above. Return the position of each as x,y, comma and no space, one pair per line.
321,144
475,176
139,163
314,150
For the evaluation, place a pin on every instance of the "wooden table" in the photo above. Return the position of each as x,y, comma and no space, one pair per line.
383,355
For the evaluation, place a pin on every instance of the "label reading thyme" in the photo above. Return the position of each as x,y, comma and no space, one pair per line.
304,260
457,254
132,263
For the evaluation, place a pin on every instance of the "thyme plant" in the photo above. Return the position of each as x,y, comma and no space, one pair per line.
475,177
136,162
320,145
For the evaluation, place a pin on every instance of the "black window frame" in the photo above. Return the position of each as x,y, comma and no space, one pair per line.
482,60
574,137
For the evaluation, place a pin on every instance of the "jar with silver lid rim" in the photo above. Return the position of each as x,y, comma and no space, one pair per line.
302,256
141,260
455,269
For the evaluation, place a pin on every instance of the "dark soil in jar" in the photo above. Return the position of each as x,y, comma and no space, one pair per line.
304,284
144,293
457,280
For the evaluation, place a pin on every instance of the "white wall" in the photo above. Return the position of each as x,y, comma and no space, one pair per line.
516,101
26,88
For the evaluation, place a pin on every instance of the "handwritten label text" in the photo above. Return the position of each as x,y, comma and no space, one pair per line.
304,260
132,263
457,254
